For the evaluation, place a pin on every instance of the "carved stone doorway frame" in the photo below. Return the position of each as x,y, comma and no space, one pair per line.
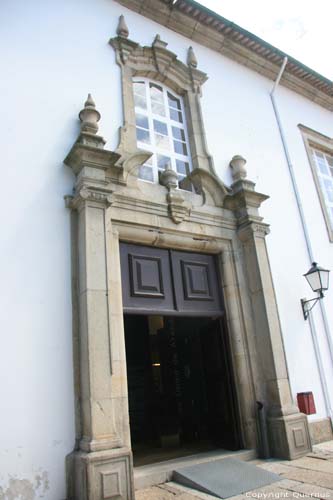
110,205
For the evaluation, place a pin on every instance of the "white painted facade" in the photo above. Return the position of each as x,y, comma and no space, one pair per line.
52,54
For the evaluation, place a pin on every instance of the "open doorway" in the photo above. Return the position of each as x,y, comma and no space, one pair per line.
180,387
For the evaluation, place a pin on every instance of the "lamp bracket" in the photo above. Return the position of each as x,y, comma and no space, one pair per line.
306,308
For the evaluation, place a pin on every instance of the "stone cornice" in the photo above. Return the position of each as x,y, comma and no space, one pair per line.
235,43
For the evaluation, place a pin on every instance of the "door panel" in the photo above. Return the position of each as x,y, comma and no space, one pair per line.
195,281
146,279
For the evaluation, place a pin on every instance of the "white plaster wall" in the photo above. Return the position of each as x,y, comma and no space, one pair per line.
51,55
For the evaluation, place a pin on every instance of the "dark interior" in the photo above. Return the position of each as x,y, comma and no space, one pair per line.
181,397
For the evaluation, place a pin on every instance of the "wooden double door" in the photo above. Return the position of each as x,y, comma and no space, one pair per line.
180,383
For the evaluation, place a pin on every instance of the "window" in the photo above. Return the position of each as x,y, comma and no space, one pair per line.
324,168
319,148
161,129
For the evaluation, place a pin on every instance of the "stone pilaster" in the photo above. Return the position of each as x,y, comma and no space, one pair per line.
288,429
102,467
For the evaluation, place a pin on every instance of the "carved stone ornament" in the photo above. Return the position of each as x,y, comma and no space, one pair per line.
88,151
179,209
122,29
237,164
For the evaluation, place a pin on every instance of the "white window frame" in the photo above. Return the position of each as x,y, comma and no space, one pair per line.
317,142
169,122
325,177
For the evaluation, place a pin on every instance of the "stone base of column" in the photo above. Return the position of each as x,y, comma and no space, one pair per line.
103,475
289,436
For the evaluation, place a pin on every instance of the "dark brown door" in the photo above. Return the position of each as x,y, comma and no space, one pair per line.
220,390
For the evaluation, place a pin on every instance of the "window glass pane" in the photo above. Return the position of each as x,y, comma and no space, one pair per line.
146,173
162,141
329,160
176,115
160,127
318,154
139,88
329,190
163,161
140,102
157,109
178,133
159,123
322,167
141,121
142,135
182,167
156,92
180,148
173,101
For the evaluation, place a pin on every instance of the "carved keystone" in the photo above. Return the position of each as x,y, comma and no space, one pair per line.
178,208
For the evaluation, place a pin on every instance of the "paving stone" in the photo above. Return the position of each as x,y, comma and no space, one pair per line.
272,491
171,487
277,467
309,476
314,491
312,464
320,455
179,489
289,483
154,493
311,490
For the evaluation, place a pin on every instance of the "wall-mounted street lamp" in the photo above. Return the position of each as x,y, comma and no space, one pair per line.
318,279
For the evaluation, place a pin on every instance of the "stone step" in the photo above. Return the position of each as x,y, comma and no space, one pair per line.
161,472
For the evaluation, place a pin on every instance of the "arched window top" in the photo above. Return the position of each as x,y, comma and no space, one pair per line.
161,128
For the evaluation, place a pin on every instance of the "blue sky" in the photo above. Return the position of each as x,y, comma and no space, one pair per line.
301,28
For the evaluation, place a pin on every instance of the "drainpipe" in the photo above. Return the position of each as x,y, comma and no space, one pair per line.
313,330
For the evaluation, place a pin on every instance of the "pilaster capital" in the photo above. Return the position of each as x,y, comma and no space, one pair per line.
244,200
85,194
252,229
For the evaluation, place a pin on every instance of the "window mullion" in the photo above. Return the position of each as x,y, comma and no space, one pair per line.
151,129
169,127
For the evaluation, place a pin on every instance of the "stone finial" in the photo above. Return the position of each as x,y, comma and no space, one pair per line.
158,42
238,168
191,58
122,29
89,116
169,178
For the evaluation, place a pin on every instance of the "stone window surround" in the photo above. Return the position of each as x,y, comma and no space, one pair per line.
159,64
316,140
